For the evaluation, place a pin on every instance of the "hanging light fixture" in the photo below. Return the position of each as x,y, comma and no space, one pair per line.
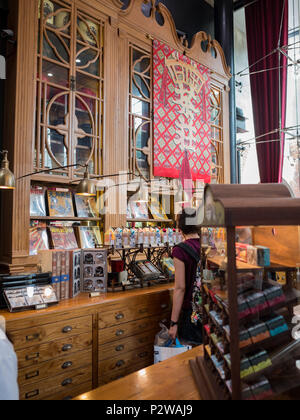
86,187
7,178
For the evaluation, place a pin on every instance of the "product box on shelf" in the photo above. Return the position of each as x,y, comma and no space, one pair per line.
75,273
94,270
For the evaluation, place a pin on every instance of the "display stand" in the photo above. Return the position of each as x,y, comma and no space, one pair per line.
262,365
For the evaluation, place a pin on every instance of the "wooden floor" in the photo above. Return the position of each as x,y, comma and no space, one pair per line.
169,380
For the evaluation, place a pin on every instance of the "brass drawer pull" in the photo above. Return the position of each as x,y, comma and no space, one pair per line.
67,365
142,355
32,375
67,382
120,348
119,333
143,340
164,306
120,316
32,356
32,394
143,311
32,337
67,330
67,347
120,363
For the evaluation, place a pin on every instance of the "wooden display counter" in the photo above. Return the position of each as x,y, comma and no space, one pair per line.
170,380
85,342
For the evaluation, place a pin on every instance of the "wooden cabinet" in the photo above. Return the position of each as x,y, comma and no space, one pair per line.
68,350
126,334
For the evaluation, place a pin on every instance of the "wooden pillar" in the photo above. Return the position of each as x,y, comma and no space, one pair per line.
116,121
18,138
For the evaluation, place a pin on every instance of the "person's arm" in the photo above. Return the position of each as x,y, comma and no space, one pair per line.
179,293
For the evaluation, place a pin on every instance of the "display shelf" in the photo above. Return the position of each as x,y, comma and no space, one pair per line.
150,221
67,219
255,207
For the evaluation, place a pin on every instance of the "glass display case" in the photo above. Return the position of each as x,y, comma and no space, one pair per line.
250,286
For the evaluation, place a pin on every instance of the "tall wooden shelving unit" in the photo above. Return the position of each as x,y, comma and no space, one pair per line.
52,84
228,207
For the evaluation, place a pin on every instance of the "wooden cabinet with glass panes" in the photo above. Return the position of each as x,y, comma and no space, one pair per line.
79,93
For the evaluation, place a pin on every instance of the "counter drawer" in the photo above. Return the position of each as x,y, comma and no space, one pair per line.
71,392
55,367
107,351
156,306
44,352
47,333
127,360
131,328
106,379
59,385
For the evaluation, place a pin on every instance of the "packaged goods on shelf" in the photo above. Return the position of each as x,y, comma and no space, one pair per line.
86,206
63,238
38,238
60,203
37,202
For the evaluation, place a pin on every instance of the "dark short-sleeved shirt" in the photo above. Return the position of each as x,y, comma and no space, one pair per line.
190,269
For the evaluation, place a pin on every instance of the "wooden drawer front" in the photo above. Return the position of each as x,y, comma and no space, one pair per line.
35,355
106,379
120,347
71,392
47,333
59,385
118,364
55,367
155,306
132,328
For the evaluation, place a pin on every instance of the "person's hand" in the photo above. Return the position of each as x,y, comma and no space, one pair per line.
173,331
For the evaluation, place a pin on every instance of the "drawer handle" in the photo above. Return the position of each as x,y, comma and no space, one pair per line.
32,356
120,316
143,340
67,347
66,365
32,337
164,306
32,394
32,375
142,355
119,333
67,330
120,363
143,311
67,382
120,348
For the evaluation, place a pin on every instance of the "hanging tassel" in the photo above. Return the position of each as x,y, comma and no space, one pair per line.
186,176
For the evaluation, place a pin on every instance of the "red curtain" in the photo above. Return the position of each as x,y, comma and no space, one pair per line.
264,22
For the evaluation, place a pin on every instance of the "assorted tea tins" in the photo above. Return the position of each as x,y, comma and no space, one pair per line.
148,237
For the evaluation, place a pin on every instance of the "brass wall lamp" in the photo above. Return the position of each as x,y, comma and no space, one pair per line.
7,178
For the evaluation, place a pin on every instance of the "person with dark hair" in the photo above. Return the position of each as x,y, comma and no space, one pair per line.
186,258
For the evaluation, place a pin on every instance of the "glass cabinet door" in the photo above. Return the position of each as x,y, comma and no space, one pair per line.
69,90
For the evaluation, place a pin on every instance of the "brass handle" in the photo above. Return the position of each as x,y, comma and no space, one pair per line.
32,356
141,355
66,365
67,382
120,316
119,348
67,347
67,330
143,311
32,394
32,375
32,337
119,333
164,306
120,363
143,340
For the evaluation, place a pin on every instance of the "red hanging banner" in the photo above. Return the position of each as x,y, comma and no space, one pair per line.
181,114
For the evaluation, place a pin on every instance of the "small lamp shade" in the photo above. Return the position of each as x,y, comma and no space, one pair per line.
86,187
7,178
